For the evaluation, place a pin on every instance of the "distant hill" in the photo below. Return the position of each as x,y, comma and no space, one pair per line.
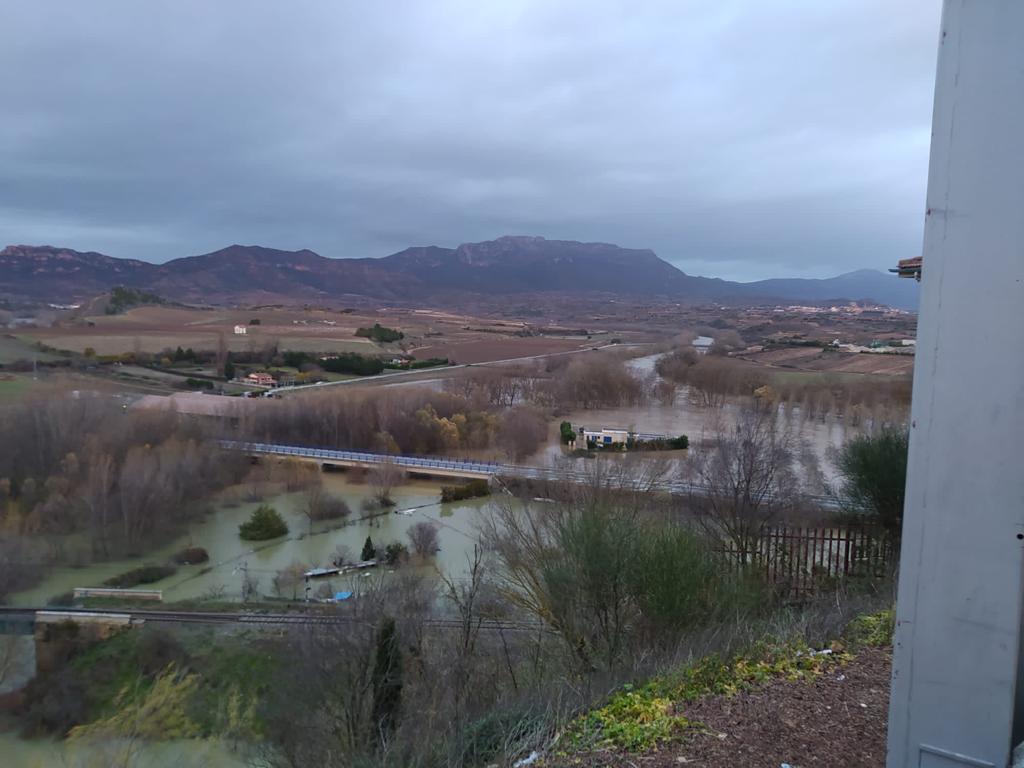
425,275
869,284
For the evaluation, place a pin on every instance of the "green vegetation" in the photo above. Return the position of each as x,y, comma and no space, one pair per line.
265,523
347,362
192,383
567,433
369,551
380,333
147,574
14,386
670,444
874,475
415,365
472,490
148,683
396,552
122,299
638,718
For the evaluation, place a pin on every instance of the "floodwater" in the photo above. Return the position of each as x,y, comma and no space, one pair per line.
816,438
231,557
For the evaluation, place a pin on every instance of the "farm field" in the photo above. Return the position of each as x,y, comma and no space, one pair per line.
13,387
485,350
154,329
13,349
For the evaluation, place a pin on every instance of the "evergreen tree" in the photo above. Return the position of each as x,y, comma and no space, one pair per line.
369,552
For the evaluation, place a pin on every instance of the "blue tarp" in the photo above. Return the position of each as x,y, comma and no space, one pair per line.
342,595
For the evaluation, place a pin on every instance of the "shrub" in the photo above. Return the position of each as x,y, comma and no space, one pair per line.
567,433
147,574
396,552
874,475
471,490
381,333
191,556
264,524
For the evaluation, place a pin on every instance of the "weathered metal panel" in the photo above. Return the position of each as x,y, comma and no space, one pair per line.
959,606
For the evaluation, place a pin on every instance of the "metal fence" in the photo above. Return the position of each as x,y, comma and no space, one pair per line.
800,561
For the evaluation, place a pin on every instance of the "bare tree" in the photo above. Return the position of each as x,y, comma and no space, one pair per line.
522,431
383,478
98,496
747,479
423,537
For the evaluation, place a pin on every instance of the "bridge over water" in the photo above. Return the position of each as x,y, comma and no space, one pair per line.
469,469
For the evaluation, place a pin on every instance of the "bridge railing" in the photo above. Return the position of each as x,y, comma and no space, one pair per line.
680,487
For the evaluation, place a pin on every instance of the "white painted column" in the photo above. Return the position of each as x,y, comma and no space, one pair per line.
959,608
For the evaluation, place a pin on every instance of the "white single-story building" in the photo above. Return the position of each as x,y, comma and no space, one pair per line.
241,330
604,435
610,435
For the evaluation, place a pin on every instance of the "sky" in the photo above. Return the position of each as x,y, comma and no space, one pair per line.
742,140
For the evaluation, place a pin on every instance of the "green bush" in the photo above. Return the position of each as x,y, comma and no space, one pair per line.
380,333
396,552
147,574
472,490
264,524
567,433
122,299
874,475
679,583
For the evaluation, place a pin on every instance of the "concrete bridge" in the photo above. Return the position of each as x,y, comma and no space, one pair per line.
469,469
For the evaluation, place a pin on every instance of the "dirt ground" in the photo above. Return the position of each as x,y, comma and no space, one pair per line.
836,721
153,329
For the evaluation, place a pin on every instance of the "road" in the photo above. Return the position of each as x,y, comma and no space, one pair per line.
470,469
386,377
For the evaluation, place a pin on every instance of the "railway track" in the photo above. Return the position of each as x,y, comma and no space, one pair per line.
251,619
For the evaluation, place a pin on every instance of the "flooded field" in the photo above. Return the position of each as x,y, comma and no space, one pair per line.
814,438
231,557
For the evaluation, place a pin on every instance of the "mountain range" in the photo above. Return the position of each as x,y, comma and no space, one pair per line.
424,275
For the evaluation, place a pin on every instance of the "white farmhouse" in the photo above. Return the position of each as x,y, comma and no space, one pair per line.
241,330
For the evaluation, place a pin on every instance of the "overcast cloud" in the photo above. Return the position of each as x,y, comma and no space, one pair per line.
737,139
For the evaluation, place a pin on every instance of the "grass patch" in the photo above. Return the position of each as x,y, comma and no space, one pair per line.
147,574
639,718
13,387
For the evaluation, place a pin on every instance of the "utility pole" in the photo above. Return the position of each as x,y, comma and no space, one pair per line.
956,685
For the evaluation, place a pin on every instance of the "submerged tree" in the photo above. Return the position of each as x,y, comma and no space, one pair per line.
369,551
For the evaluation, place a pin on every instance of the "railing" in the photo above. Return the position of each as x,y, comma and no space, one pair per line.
801,561
466,466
